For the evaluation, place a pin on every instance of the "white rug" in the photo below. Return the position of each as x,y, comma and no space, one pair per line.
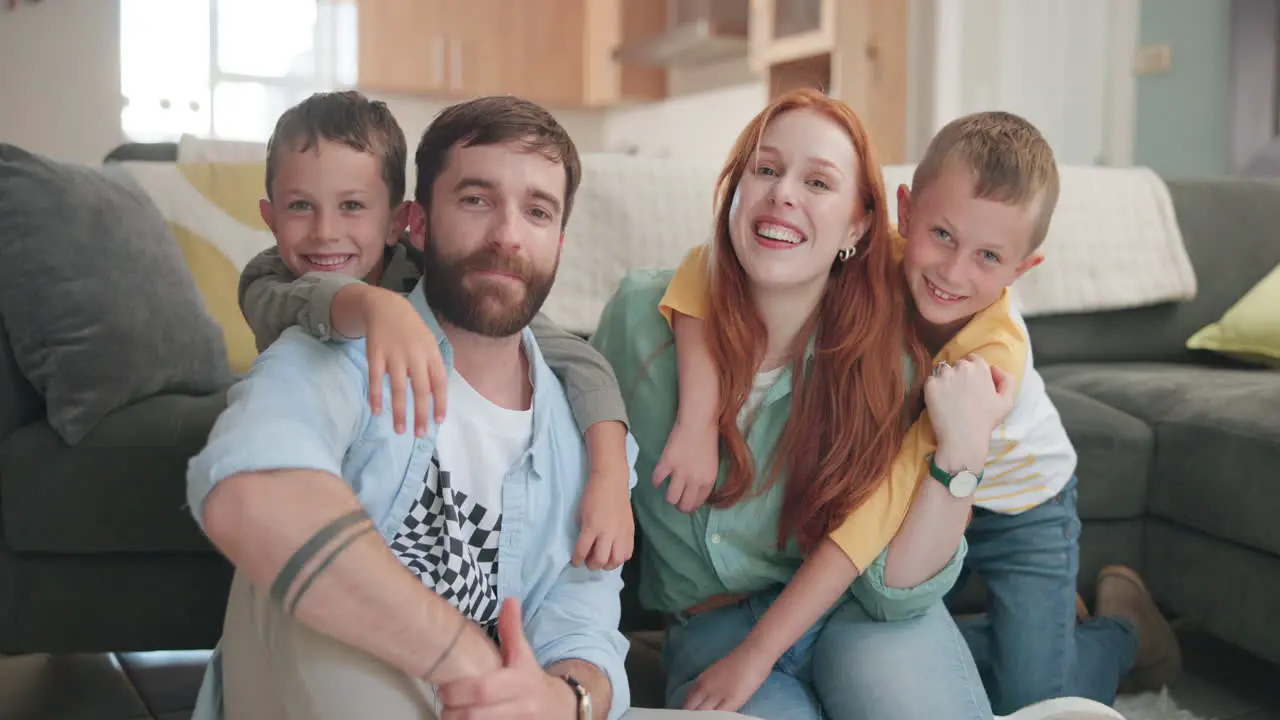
1152,706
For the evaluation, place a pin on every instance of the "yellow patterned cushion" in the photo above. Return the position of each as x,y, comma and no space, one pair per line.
212,209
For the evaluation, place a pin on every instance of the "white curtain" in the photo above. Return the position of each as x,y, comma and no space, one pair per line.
1065,66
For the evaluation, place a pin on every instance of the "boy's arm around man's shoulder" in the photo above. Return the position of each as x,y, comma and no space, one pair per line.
272,298
589,380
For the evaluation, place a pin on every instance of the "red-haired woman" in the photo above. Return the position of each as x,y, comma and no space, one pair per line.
819,379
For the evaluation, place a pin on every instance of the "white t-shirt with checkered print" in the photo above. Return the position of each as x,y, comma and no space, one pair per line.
449,539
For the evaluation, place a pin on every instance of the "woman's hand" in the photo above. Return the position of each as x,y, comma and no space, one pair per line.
730,682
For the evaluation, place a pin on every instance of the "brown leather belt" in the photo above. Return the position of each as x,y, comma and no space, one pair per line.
715,602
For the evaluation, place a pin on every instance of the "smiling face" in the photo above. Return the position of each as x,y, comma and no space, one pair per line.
330,210
796,205
962,251
492,241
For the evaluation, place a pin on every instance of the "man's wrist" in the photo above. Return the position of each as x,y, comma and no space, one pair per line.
564,701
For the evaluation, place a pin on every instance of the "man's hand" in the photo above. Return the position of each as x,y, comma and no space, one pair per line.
521,690
402,347
692,460
729,683
607,538
969,398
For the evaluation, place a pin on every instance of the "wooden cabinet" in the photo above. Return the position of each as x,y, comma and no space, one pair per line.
401,47
854,50
783,31
555,52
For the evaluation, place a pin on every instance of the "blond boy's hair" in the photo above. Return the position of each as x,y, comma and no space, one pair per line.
1011,162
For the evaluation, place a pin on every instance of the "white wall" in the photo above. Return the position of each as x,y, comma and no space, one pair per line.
60,78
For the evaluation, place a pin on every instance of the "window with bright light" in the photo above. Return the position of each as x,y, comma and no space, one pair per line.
228,68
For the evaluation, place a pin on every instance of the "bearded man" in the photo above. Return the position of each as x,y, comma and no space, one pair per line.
387,575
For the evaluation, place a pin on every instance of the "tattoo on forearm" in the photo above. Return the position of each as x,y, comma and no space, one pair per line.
320,566
322,548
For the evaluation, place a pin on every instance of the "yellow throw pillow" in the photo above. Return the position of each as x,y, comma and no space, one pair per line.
1250,330
212,209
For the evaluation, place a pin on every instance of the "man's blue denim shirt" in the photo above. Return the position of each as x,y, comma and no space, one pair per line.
305,405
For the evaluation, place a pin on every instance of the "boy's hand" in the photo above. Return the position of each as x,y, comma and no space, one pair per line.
692,460
608,528
969,398
730,682
402,347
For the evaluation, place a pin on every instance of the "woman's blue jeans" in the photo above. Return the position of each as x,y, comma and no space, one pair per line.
846,667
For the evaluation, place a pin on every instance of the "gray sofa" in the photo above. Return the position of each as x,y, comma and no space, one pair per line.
1178,448
97,551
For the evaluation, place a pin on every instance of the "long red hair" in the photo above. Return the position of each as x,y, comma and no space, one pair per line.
851,403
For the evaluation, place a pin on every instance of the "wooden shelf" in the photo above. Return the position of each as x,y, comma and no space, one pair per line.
856,51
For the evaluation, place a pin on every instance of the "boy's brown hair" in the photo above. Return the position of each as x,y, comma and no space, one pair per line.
345,117
489,121
1011,163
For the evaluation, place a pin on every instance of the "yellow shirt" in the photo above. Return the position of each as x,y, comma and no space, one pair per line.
992,334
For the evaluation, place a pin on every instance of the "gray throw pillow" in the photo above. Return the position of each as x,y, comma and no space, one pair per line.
99,305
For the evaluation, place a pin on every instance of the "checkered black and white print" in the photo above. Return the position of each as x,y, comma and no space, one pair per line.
451,543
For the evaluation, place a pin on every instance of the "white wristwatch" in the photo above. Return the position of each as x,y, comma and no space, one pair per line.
961,483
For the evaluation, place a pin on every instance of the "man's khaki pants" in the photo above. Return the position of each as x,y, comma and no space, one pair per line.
276,668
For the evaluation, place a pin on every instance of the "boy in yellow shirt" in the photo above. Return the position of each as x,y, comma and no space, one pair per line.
980,207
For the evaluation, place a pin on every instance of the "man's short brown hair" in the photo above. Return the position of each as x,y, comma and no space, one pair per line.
345,117
1010,160
490,121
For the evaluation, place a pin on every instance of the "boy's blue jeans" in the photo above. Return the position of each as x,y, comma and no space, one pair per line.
1028,647
845,667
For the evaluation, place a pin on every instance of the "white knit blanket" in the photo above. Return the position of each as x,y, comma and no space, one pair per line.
630,213
1114,243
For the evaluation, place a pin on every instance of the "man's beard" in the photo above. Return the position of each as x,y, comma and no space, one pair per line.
491,307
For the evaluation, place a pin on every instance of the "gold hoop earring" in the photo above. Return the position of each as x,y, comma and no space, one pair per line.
845,253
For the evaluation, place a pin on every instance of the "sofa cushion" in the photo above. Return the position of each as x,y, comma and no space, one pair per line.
123,489
1217,439
100,308
1114,451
